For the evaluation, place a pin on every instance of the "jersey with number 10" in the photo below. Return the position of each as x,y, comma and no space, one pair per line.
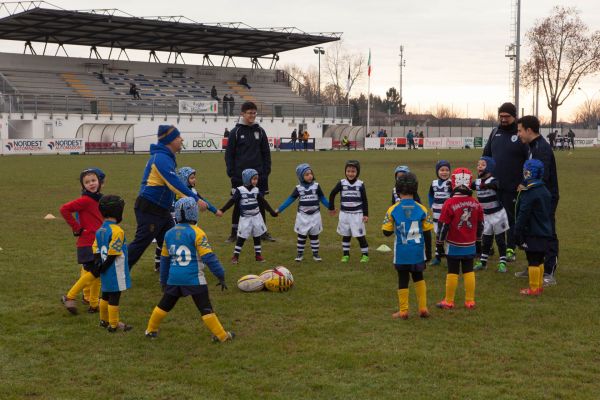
185,244
408,220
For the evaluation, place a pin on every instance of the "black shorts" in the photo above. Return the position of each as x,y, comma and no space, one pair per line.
85,255
185,290
420,267
536,244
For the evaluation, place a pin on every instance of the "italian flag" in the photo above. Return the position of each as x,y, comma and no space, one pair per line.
369,63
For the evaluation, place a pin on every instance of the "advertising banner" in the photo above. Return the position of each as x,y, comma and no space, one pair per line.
201,144
42,146
198,107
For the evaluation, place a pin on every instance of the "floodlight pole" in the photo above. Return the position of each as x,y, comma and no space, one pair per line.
402,65
319,50
518,56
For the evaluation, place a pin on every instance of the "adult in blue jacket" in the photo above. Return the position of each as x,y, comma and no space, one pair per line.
540,149
510,154
159,185
248,148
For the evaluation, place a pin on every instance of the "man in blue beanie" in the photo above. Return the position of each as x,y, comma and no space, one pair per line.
159,185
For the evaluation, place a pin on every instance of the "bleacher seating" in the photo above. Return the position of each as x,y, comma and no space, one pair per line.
63,84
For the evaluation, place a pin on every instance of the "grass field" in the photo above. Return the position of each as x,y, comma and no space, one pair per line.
331,337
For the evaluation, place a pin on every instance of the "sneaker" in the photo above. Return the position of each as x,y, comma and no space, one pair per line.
511,255
69,305
522,274
470,305
479,266
364,258
235,259
531,292
121,326
299,258
151,335
231,239
157,267
93,310
502,268
317,257
435,261
259,258
445,305
549,280
104,324
424,313
84,301
267,237
400,315
345,259
230,336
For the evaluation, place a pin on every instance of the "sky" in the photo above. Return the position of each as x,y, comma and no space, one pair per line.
454,50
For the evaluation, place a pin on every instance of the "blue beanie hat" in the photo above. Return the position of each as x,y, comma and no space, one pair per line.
401,168
440,164
490,164
167,133
247,175
300,170
186,210
533,169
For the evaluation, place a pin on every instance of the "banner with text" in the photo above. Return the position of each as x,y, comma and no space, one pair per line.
198,107
42,146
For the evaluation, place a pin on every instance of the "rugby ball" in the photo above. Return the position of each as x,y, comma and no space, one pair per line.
276,272
278,284
250,283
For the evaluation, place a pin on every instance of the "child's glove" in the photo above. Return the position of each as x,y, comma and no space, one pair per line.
78,233
439,246
274,214
222,284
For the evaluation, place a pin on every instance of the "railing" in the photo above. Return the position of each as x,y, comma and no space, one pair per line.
68,106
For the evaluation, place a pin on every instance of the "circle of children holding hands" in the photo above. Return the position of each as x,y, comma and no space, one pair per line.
464,229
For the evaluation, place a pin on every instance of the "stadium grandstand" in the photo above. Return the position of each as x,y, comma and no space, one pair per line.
44,95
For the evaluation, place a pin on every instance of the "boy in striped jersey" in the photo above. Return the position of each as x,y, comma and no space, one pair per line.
401,170
308,218
495,219
354,210
439,192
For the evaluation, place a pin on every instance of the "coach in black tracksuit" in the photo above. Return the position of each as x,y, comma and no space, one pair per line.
247,147
510,154
540,149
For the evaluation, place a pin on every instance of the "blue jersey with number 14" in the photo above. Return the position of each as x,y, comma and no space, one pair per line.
408,220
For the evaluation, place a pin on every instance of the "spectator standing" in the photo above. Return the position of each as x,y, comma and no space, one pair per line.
410,137
231,105
226,133
509,153
226,105
294,138
213,93
539,149
248,148
244,82
571,139
305,137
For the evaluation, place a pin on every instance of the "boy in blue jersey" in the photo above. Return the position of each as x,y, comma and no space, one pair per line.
250,200
185,252
439,191
533,227
308,218
408,220
110,249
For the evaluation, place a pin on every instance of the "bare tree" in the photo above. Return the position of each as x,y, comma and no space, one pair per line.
562,52
303,82
445,112
588,114
338,63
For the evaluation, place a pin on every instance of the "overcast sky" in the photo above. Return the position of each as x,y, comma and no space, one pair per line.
454,50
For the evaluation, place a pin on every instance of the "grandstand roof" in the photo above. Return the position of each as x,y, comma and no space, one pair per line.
114,28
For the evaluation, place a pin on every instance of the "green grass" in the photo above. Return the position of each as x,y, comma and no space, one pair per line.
331,337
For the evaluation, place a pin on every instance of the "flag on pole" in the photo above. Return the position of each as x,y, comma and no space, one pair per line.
369,62
348,83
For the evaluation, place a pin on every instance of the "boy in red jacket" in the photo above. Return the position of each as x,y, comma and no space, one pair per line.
87,220
460,227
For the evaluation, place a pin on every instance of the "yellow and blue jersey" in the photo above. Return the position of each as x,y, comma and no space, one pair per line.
110,241
184,254
408,220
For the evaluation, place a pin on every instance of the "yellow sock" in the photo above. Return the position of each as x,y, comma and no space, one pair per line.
421,289
403,299
113,316
82,282
93,292
469,279
103,310
212,323
86,290
541,284
155,319
534,277
451,284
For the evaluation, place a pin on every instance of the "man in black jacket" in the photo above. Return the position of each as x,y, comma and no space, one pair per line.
509,153
539,149
248,147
